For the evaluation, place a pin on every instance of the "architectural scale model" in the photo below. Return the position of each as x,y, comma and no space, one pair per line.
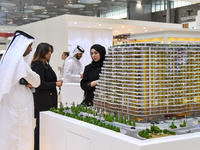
146,80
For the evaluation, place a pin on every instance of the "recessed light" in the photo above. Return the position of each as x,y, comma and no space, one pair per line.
161,28
145,30
132,32
75,22
110,27
116,31
100,25
120,33
88,26
129,29
144,27
122,26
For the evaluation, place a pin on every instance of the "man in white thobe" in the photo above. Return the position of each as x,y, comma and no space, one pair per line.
16,100
73,68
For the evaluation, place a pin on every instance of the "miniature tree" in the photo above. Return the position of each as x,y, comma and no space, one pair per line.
184,124
129,121
116,118
121,119
99,116
133,124
174,118
125,120
112,117
109,118
173,126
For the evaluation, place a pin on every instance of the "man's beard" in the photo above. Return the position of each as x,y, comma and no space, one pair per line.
77,57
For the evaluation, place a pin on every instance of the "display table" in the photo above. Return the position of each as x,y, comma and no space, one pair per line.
59,132
71,92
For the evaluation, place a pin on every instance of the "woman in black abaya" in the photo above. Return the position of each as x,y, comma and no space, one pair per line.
91,73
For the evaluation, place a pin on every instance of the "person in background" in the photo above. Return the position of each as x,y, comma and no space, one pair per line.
73,68
1,56
45,95
64,56
91,73
16,99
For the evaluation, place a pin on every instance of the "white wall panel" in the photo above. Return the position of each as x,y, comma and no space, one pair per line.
52,31
56,32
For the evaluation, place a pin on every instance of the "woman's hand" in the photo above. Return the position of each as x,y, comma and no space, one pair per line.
59,68
93,83
59,83
29,86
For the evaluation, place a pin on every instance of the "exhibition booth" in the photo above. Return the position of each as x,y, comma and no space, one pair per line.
64,33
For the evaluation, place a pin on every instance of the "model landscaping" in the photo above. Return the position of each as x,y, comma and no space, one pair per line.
109,120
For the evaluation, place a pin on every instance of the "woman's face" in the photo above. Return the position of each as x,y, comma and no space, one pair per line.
95,55
48,55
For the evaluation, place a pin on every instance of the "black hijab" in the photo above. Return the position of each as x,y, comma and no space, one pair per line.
102,51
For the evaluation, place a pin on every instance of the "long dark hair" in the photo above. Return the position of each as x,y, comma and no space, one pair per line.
41,50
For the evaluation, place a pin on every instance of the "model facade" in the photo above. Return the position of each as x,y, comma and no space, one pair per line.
150,79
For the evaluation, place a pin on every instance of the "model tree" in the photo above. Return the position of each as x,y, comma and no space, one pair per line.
125,122
116,118
133,124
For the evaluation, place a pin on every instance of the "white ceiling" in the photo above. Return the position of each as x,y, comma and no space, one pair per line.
120,26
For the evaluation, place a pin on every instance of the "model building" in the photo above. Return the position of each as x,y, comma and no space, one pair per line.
146,80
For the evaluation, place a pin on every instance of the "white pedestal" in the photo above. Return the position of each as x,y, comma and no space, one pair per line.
58,132
71,92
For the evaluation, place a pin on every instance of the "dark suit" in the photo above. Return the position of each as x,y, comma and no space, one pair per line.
45,95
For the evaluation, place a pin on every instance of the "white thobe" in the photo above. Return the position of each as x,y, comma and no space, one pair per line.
62,71
17,115
72,71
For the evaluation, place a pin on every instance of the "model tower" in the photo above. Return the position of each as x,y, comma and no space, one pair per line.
150,79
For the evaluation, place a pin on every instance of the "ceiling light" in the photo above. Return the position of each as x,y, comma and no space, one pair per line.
86,12
34,7
110,27
129,29
47,3
24,11
88,26
4,4
161,28
100,25
62,9
75,22
34,19
144,27
52,13
122,26
145,30
89,1
120,33
138,4
41,16
116,31
75,6
132,32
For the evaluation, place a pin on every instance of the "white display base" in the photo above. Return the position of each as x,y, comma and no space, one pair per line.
71,92
58,132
